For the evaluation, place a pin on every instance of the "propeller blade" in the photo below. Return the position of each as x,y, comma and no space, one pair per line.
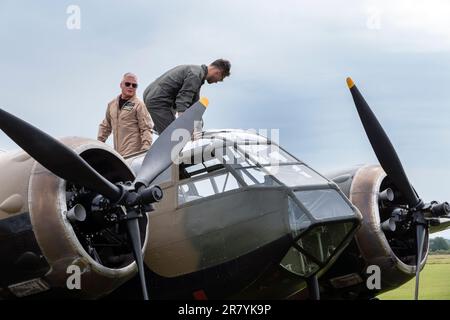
420,237
382,146
55,156
159,157
135,238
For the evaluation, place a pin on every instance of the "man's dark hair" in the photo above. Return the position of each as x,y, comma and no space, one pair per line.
223,65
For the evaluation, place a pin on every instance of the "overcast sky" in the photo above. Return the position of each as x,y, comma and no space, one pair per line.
289,64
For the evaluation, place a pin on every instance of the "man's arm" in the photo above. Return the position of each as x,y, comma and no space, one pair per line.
189,90
145,123
104,129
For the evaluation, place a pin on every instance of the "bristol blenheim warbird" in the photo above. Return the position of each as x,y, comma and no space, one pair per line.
228,216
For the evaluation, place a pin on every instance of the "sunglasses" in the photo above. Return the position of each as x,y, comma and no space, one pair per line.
134,85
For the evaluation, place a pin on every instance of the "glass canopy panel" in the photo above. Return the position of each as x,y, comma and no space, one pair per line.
229,155
296,262
324,204
226,182
296,175
256,176
298,220
266,154
208,186
321,242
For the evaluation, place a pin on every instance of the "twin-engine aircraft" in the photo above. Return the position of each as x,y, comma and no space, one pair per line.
230,215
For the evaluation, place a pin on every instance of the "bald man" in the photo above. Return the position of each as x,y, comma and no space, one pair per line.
128,119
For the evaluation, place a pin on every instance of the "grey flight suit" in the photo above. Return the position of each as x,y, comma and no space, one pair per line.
174,91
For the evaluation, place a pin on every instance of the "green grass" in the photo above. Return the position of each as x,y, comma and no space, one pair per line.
434,282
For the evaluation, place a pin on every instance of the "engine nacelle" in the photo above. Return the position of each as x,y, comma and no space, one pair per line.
398,266
392,251
43,249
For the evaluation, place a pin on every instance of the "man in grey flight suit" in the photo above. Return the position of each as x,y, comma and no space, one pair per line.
179,88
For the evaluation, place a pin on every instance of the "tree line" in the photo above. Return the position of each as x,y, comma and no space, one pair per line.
440,244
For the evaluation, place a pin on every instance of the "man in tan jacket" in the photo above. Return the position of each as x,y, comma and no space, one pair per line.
128,119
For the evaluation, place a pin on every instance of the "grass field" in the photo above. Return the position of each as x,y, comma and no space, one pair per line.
434,282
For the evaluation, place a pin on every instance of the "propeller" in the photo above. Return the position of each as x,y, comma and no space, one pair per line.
158,159
418,212
131,198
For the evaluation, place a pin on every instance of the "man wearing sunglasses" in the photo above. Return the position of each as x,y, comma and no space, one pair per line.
179,88
128,120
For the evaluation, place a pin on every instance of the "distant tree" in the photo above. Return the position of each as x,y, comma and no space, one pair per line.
439,243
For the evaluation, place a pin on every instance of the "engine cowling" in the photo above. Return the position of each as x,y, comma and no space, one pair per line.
61,243
393,251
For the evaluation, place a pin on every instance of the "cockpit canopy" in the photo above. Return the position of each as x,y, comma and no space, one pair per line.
226,160
321,218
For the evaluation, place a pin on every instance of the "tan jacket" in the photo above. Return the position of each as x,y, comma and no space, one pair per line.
131,126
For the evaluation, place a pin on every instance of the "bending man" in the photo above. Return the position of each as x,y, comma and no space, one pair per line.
179,88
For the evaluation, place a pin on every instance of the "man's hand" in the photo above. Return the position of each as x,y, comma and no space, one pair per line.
177,114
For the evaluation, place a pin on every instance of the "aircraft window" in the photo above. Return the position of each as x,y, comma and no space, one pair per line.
212,162
296,175
296,262
256,175
231,156
226,182
323,204
298,220
266,154
187,192
206,187
321,242
195,167
194,170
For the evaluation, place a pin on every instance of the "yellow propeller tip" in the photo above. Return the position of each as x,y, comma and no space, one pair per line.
350,83
204,101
